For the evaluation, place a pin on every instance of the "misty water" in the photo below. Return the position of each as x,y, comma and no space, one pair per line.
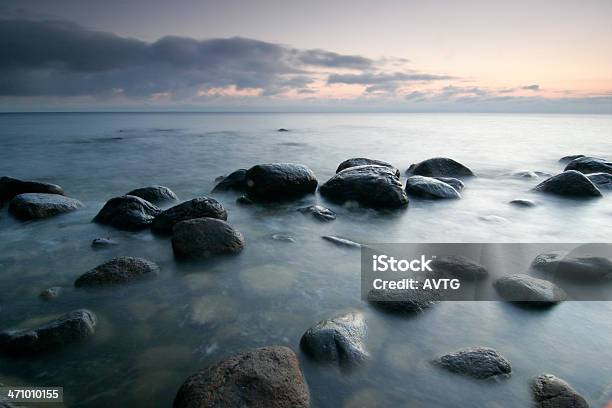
152,335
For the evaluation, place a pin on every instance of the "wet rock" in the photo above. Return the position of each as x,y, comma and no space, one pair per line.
521,202
235,181
205,237
319,212
460,267
550,391
282,130
453,182
567,159
570,183
11,187
362,161
31,206
127,213
341,241
123,269
99,243
50,293
283,237
429,187
564,266
267,377
601,180
524,288
279,181
196,208
72,327
477,362
154,194
371,186
338,340
403,301
588,165
244,200
439,167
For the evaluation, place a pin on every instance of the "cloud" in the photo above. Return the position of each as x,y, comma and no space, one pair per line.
383,78
531,87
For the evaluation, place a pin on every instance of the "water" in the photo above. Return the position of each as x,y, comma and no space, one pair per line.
151,336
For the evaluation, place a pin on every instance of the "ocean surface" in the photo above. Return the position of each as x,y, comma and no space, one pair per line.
152,335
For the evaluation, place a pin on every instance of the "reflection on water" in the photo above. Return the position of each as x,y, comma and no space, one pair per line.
152,335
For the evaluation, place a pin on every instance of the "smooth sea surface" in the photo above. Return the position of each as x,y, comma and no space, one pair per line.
152,335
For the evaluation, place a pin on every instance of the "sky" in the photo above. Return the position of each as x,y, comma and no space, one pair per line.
269,55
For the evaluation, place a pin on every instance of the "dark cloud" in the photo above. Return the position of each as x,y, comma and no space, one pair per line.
329,59
532,87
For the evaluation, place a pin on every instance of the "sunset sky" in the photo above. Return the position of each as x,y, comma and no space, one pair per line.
540,56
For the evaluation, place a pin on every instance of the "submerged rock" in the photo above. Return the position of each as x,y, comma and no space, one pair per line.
439,167
522,202
550,391
341,241
588,165
267,377
205,237
11,187
567,159
524,288
460,267
50,293
279,181
404,301
562,265
338,340
429,187
244,200
196,208
234,181
477,362
154,194
362,161
31,206
99,243
453,182
371,186
123,269
319,212
570,183
528,174
282,130
72,327
601,180
127,213
282,237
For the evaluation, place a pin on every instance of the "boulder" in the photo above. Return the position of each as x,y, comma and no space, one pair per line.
362,161
99,243
588,165
279,181
567,159
550,391
524,288
339,340
234,181
403,301
429,187
570,183
50,293
154,194
196,208
341,241
460,267
371,186
521,202
453,182
10,187
319,212
123,269
32,206
601,180
439,167
127,213
71,327
564,266
205,237
476,362
267,377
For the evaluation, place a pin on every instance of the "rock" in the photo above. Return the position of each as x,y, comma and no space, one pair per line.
371,186
267,377
31,206
524,288
282,130
127,213
196,208
279,181
460,267
282,237
439,167
205,237
601,180
585,269
99,243
72,327
338,340
154,194
429,187
570,183
477,362
493,219
528,174
123,269
234,181
453,182
11,187
403,301
521,202
341,241
50,293
244,200
552,392
588,165
567,159
362,161
319,212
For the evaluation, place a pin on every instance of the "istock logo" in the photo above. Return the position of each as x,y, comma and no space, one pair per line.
384,263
